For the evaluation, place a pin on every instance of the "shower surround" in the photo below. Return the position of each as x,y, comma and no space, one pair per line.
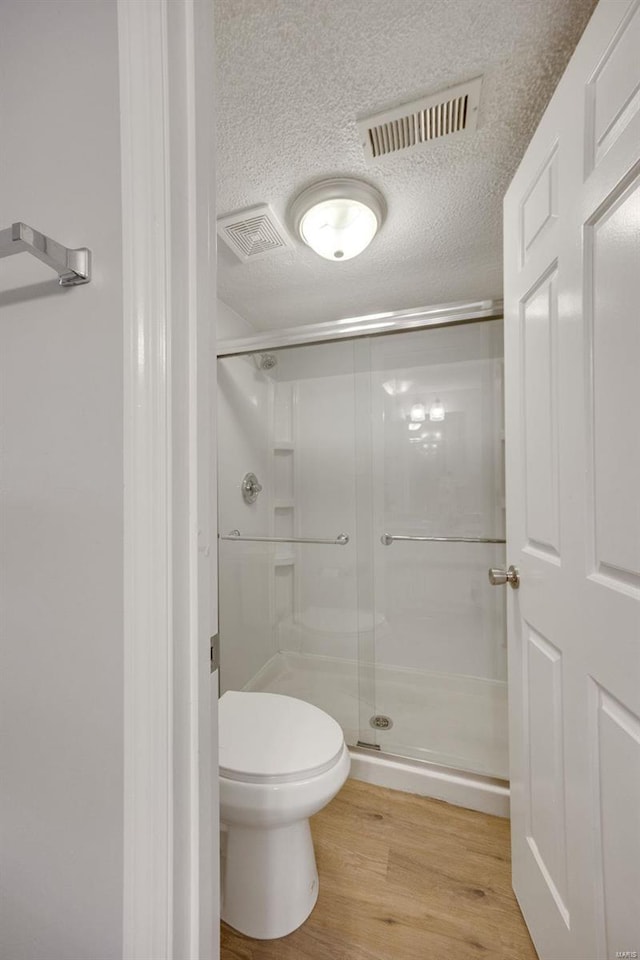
403,642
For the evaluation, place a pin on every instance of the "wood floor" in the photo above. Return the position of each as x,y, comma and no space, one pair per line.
403,878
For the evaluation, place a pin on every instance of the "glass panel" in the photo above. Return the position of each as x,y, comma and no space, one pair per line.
400,435
368,613
290,617
439,471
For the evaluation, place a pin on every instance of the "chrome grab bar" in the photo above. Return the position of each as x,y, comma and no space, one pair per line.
388,538
341,540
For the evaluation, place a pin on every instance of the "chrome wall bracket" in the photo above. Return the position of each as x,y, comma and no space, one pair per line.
72,266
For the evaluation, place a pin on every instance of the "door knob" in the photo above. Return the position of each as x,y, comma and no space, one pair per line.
498,577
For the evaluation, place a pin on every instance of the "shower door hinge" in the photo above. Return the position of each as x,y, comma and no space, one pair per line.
215,652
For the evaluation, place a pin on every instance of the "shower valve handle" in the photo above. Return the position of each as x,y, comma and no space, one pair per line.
498,578
251,487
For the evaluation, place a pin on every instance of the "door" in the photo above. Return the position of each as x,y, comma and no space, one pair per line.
437,476
295,572
572,355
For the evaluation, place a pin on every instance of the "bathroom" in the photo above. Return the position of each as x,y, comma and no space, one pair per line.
320,561
362,432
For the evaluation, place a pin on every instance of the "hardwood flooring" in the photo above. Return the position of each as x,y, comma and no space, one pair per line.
403,878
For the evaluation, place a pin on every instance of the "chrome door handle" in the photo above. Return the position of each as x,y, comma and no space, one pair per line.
499,577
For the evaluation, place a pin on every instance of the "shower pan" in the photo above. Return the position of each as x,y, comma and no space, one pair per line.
358,579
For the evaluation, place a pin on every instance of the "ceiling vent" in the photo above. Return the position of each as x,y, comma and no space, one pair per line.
413,125
253,233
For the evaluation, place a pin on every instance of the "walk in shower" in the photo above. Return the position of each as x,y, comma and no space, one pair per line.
361,502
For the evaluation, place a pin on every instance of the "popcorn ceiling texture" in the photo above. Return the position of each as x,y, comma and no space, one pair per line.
293,76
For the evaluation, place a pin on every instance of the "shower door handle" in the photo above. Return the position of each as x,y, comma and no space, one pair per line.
498,578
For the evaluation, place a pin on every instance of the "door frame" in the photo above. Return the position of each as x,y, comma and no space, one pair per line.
166,71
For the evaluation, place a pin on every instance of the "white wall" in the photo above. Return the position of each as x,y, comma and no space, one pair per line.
61,488
230,325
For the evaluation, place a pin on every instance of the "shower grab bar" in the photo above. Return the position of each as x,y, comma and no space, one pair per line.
341,540
72,266
388,538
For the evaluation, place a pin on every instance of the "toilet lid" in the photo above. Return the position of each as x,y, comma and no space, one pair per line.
269,737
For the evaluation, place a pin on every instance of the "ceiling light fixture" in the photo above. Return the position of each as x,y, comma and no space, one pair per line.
338,218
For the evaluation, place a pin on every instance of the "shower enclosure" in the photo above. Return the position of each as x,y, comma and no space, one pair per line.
356,577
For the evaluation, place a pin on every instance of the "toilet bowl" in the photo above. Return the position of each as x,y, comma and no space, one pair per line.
281,761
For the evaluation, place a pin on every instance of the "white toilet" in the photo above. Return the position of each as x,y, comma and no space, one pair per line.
281,761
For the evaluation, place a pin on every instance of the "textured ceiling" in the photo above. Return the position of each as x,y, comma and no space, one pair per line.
293,76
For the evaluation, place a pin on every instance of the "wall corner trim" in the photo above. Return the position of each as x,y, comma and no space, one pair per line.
166,70
144,112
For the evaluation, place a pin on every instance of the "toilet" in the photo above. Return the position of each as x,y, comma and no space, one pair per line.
281,761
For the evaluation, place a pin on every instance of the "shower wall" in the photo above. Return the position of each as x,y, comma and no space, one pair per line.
346,438
325,614
245,403
432,610
295,430
329,433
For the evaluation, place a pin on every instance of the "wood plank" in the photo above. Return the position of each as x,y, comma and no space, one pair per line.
403,878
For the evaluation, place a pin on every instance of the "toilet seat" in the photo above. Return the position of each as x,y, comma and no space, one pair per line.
269,738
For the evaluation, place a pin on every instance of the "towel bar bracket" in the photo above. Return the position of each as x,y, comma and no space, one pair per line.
72,266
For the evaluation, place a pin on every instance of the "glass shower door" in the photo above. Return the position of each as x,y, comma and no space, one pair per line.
437,482
294,609
396,442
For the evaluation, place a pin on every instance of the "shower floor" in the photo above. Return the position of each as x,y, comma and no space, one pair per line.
455,721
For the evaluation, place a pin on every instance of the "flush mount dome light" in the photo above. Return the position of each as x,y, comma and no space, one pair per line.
338,218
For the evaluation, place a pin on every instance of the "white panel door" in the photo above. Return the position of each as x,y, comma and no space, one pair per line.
572,348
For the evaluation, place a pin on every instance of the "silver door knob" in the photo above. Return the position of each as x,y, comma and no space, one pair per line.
498,577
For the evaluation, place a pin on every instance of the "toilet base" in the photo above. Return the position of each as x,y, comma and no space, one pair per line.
269,879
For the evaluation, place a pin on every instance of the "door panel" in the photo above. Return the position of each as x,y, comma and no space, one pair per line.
539,209
613,91
546,797
539,320
611,270
437,471
615,752
572,352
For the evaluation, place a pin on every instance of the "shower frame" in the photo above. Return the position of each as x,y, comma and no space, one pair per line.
476,791
439,315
